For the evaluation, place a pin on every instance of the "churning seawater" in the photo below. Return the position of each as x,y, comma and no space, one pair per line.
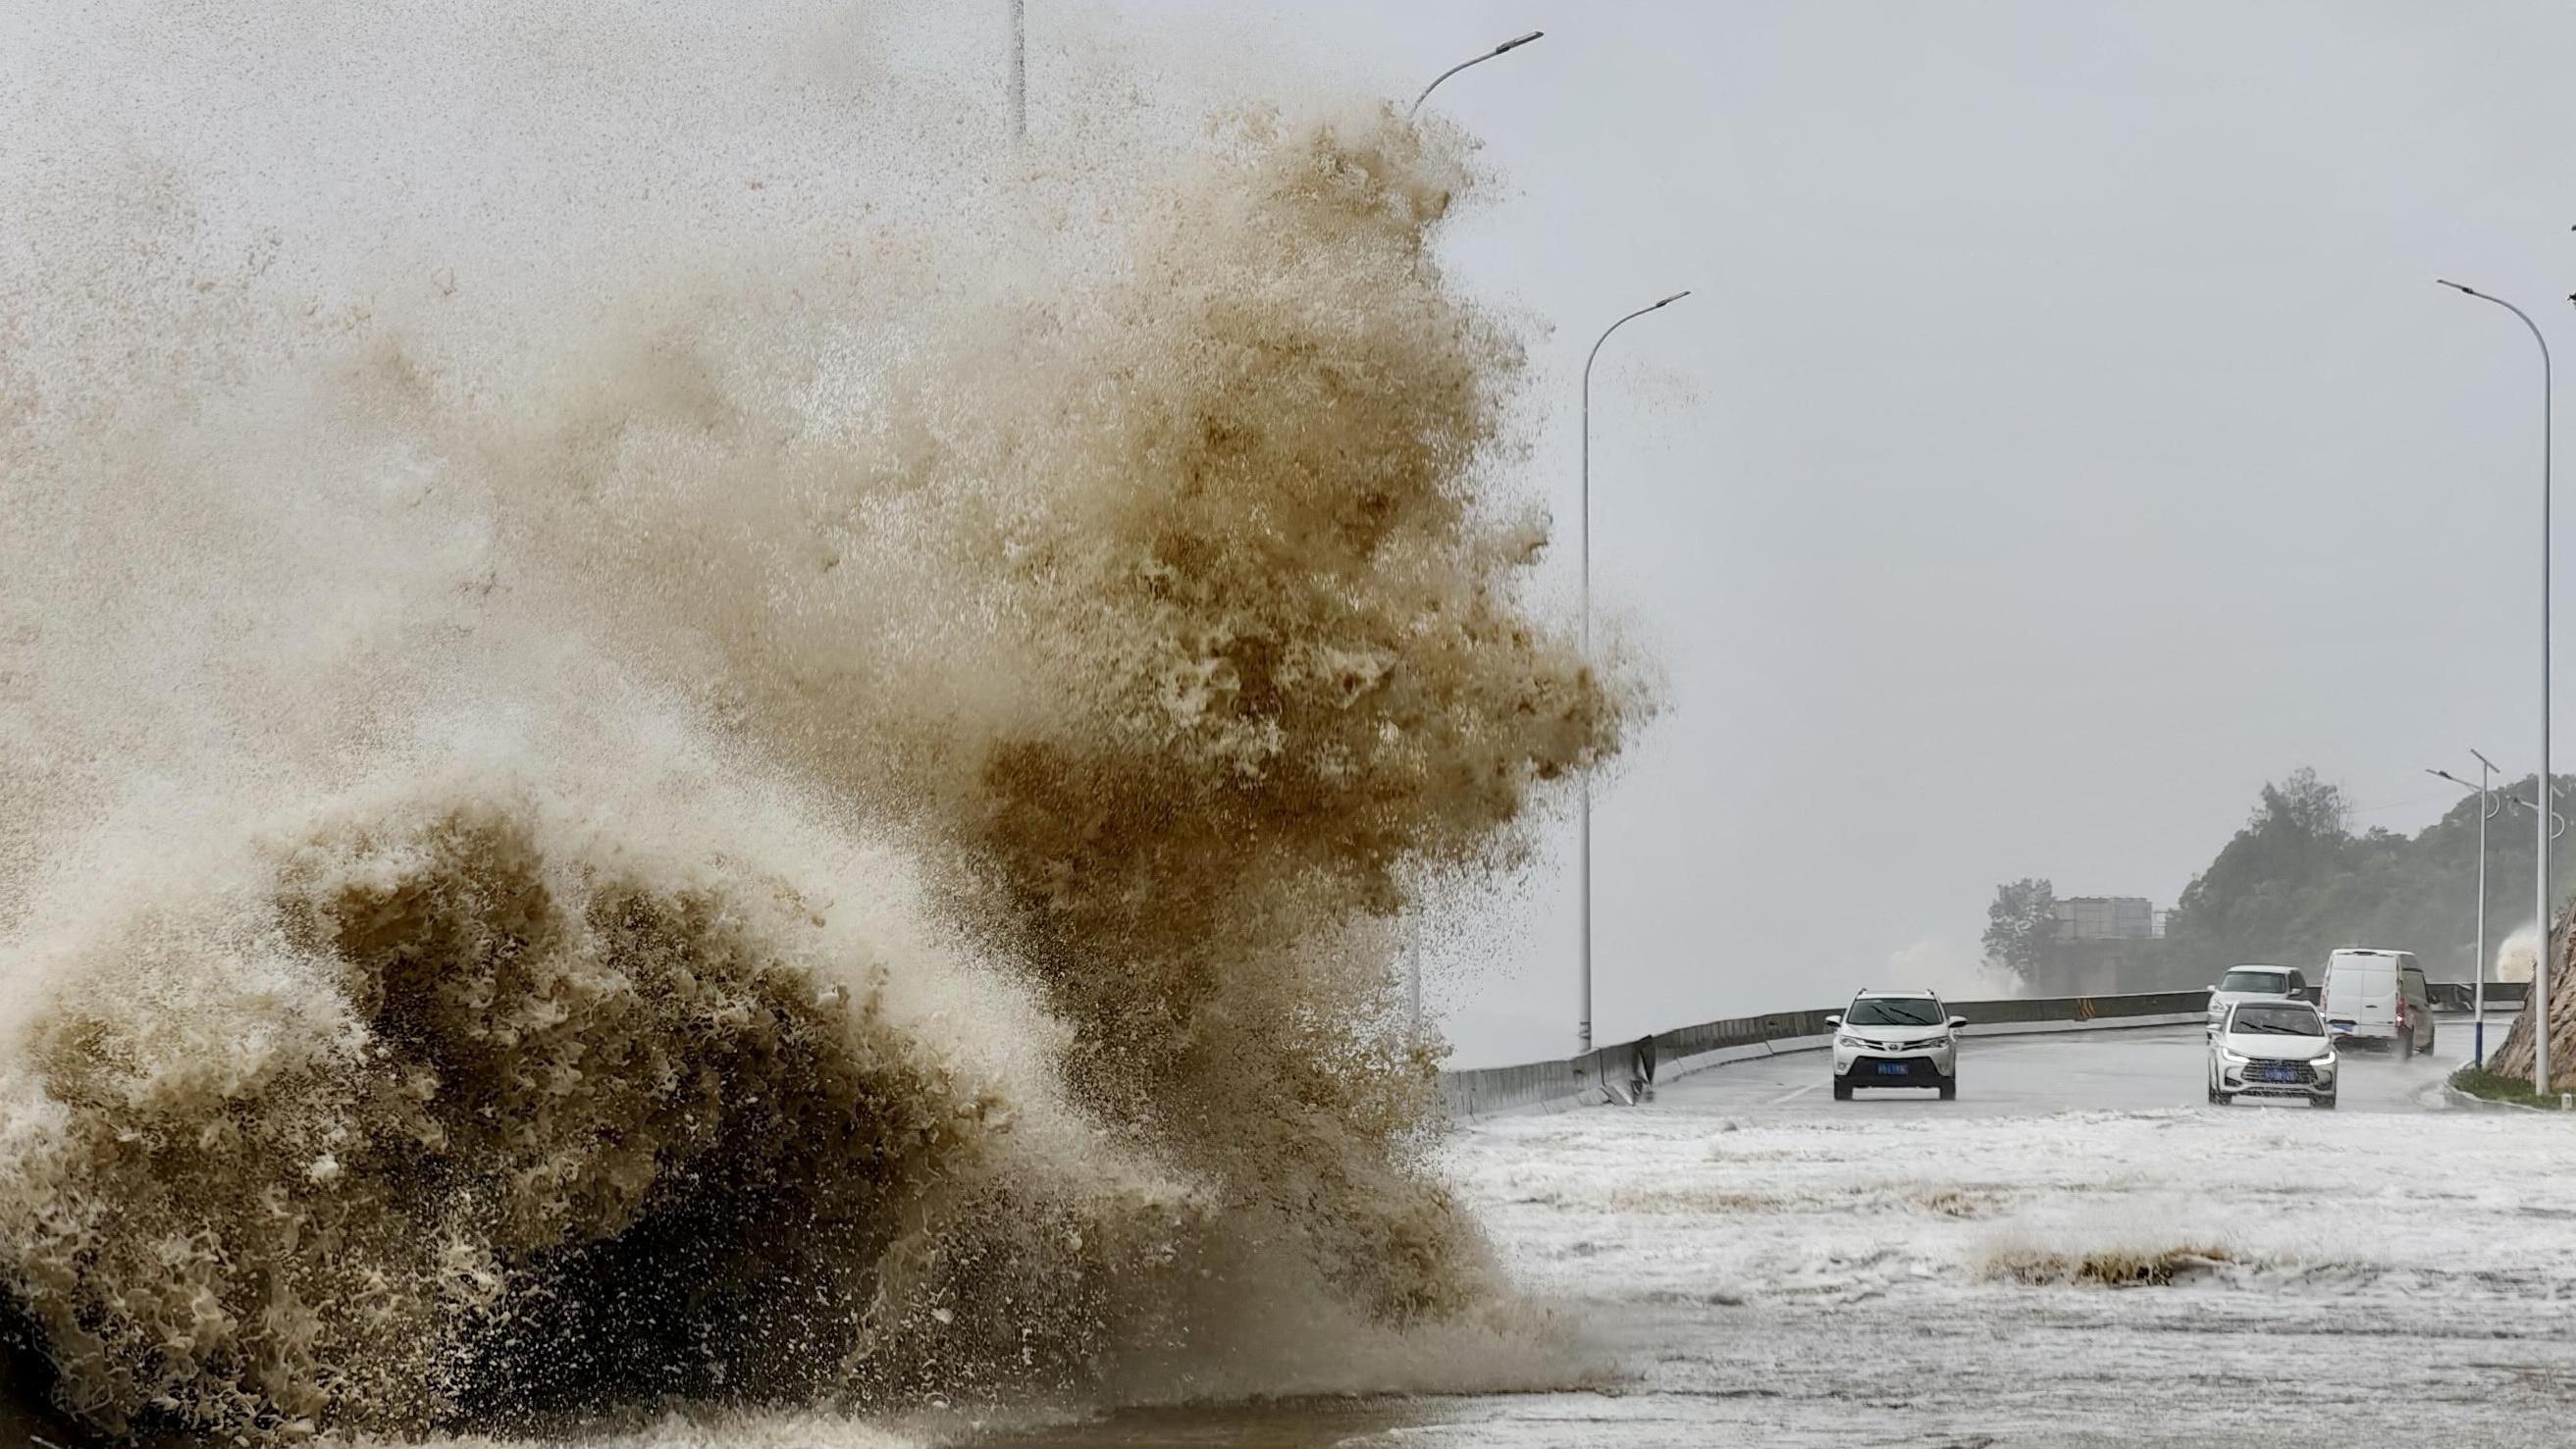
676,732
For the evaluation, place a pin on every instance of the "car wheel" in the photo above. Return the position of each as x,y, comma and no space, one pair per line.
2222,1098
1950,1090
2325,1102
1842,1091
2431,1037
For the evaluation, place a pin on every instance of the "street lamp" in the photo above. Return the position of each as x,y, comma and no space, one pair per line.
1583,1029
2488,809
1508,45
2540,972
1413,942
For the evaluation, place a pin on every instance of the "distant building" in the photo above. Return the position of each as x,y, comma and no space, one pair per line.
2108,918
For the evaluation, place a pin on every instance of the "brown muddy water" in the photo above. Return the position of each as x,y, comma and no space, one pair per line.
705,741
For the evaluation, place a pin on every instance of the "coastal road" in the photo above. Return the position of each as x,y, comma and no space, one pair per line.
2079,1251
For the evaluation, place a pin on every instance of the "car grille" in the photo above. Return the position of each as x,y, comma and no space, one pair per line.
1912,1046
2262,1070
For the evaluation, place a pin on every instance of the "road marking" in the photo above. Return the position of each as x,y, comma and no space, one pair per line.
1793,1096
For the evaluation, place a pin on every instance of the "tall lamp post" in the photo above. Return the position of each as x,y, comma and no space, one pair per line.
2540,972
1413,940
2488,809
1507,46
1583,1028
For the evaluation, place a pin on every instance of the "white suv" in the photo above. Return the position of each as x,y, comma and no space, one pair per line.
1896,1039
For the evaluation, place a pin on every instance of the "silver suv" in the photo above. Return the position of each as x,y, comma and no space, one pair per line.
1896,1039
2254,983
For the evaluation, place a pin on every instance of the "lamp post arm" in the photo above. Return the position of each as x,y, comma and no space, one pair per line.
1504,48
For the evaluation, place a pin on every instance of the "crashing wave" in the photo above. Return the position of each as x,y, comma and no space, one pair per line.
811,826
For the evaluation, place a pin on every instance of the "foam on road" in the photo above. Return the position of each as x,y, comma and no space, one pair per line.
2080,1251
1777,1267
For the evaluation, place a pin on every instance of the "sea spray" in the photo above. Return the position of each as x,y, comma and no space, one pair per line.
809,829
1224,639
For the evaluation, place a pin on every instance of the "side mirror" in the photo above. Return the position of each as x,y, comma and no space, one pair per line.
1957,1022
2211,987
1834,1020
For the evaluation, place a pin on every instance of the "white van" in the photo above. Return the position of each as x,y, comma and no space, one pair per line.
2374,995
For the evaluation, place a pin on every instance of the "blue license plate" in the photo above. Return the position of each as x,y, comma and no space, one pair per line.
1891,1069
2277,1074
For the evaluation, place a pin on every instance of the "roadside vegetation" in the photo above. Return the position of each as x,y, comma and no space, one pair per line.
2292,885
2496,1087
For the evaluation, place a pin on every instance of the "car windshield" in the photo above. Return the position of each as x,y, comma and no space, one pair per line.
1894,1011
2242,980
2277,1021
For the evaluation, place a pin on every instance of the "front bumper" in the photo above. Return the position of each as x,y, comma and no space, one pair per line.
1866,1068
2262,1078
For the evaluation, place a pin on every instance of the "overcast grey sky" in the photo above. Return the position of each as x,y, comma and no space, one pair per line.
2066,435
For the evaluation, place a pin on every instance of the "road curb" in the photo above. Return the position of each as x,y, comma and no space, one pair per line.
2475,1103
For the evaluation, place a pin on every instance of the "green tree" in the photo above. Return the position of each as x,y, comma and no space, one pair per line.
2276,886
2021,926
2296,882
2304,805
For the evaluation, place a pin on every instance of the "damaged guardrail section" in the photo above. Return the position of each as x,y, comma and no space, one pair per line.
1614,1073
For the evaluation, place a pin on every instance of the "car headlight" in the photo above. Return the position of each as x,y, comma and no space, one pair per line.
1849,1041
2233,1059
2327,1062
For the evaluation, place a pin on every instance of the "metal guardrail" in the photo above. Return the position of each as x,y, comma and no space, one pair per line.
2458,995
1608,1073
